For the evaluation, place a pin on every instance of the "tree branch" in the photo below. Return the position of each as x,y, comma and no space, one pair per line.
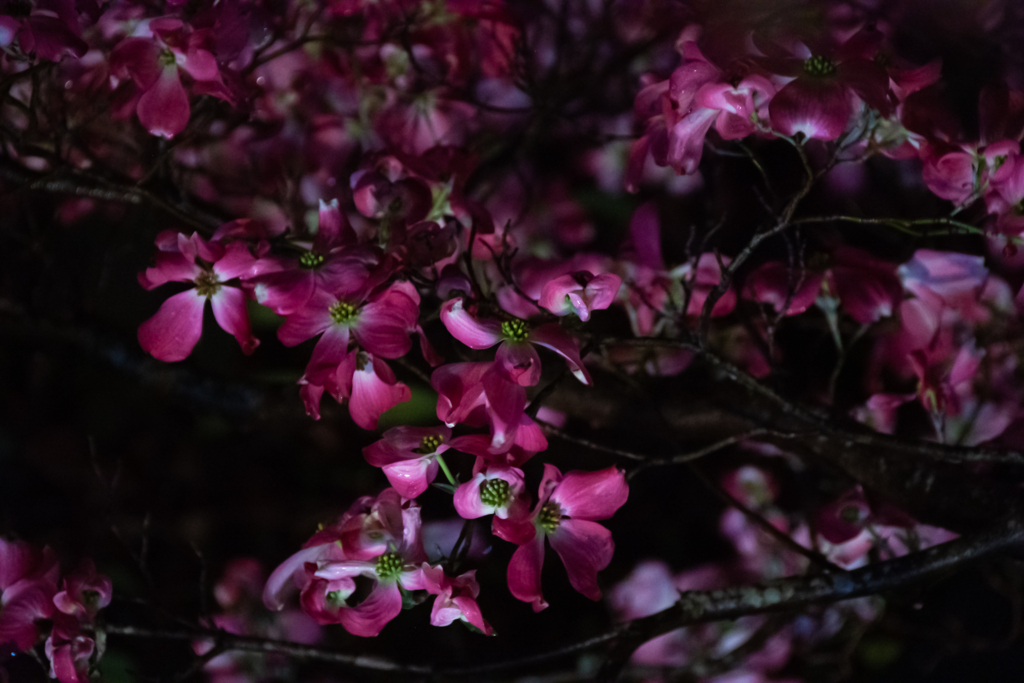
693,607
785,594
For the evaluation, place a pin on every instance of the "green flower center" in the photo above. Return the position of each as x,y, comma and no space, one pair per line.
336,598
494,493
167,58
343,312
850,514
311,260
550,516
90,598
207,283
515,330
819,66
389,565
429,444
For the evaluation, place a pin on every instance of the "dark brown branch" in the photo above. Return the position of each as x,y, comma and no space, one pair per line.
785,594
926,479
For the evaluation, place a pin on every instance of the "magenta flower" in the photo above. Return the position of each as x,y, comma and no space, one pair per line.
396,526
580,293
330,264
679,112
69,651
566,513
28,582
516,355
173,332
367,382
703,95
371,528
408,456
867,288
380,323
829,80
479,394
85,593
948,280
456,598
49,28
777,284
657,294
153,65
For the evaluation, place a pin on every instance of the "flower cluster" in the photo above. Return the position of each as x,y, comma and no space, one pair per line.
448,199
32,591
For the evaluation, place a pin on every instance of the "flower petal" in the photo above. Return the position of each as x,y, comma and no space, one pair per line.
412,477
467,499
585,548
819,110
382,605
476,334
520,362
373,394
524,572
592,495
164,108
552,336
686,140
174,331
229,310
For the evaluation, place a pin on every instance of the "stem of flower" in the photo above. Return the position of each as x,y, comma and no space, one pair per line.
447,472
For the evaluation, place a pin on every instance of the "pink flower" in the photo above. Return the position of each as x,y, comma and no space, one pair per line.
398,527
456,598
379,539
69,651
367,382
702,95
85,593
776,284
28,582
867,288
752,486
679,112
408,456
173,332
566,514
51,29
380,323
516,355
493,490
153,64
648,589
478,394
580,293
657,294
829,80
329,264
941,383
